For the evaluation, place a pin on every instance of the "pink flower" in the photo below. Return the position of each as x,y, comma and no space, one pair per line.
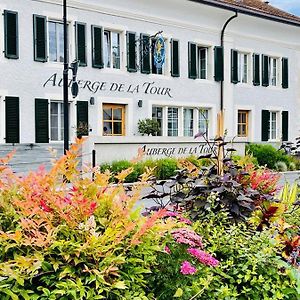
187,269
167,250
184,220
187,236
204,257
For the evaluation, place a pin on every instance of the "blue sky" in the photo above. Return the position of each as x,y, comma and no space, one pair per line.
292,6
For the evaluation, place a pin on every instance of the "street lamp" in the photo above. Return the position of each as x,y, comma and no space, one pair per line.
65,80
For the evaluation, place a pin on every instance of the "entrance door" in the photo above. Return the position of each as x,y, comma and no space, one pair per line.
113,119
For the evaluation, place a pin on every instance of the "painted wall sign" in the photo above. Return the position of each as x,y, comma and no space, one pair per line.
150,88
176,150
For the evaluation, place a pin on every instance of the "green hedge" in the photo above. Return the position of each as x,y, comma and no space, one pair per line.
267,155
164,168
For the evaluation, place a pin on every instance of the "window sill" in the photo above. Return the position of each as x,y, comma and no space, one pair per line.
244,85
205,81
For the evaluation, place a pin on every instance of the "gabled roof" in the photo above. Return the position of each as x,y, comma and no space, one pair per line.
260,8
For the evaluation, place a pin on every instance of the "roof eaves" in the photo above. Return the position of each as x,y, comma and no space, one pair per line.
251,12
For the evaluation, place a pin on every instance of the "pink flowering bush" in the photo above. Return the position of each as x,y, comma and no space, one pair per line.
184,267
187,269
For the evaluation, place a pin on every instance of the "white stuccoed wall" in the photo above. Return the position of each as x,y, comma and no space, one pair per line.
180,19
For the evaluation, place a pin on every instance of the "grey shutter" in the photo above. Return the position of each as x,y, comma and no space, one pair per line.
265,125
12,120
285,126
219,63
80,43
175,71
41,121
234,66
145,53
285,73
256,71
11,38
97,47
82,118
131,52
265,70
192,60
40,38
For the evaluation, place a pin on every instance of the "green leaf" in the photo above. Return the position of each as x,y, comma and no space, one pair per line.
120,285
178,293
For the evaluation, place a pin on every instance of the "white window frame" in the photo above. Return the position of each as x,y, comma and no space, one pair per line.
243,71
161,118
188,131
110,53
172,129
57,40
60,121
273,75
273,130
206,120
206,50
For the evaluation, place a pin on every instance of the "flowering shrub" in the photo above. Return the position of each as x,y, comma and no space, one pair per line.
261,179
184,269
66,237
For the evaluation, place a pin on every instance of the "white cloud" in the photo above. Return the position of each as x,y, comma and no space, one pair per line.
292,6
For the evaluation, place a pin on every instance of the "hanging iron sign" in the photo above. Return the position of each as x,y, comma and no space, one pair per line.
159,52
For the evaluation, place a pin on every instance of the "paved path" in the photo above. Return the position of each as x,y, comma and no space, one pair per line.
290,177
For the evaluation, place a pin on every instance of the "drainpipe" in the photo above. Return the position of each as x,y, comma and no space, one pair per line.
222,45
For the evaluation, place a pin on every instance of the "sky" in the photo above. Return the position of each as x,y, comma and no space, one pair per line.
292,6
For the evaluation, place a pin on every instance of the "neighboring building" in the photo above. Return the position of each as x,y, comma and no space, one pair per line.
120,83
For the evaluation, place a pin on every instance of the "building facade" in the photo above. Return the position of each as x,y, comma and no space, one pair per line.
120,81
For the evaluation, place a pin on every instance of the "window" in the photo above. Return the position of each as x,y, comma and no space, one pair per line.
239,67
273,126
113,119
157,114
273,71
202,62
203,121
111,50
198,61
243,123
172,121
188,121
243,67
11,38
57,121
56,41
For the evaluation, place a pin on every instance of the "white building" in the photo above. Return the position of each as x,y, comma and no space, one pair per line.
257,69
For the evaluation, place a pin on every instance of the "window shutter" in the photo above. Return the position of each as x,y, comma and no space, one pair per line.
97,47
145,53
285,73
12,120
265,125
285,126
131,52
219,63
11,38
256,72
40,38
80,43
192,60
82,118
265,70
234,66
175,72
41,121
